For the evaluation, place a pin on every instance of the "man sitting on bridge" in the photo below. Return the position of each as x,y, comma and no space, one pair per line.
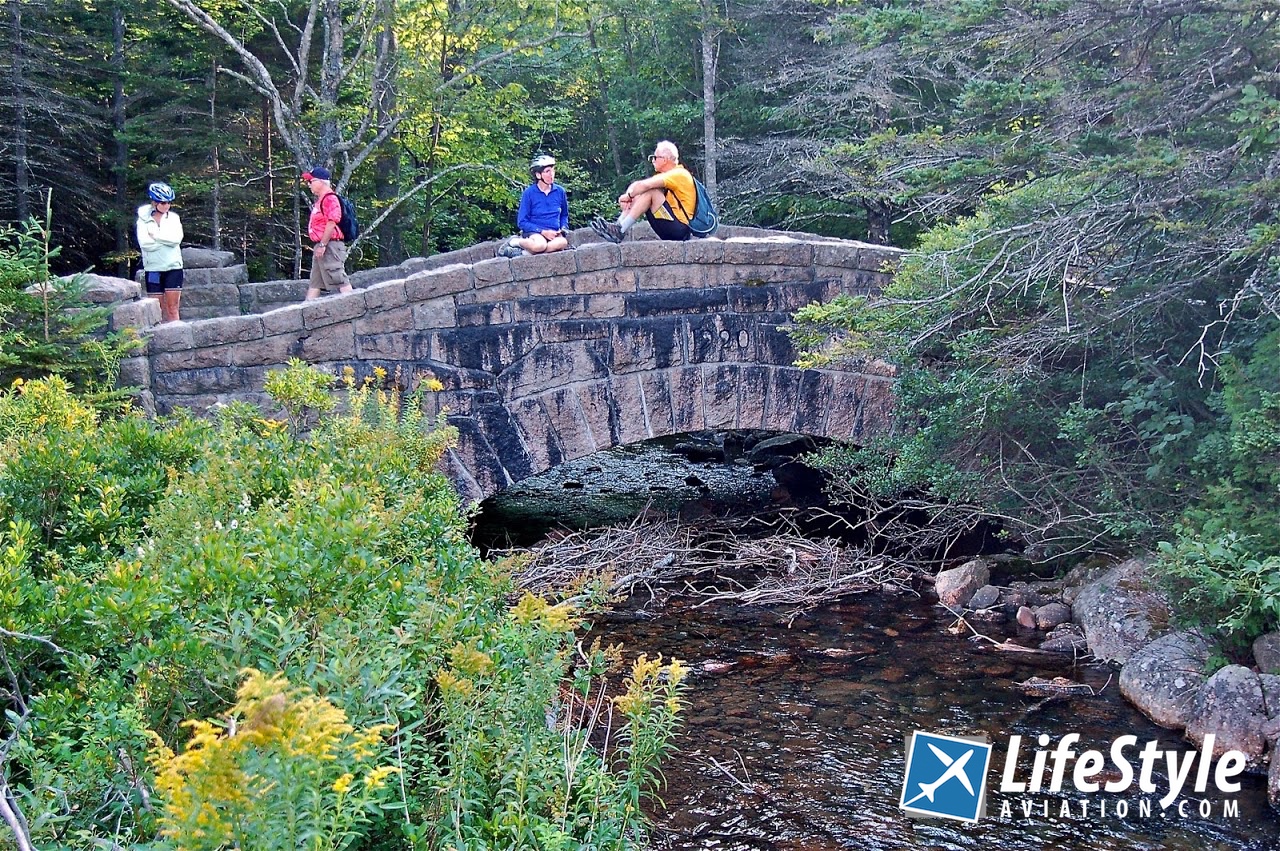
543,215
663,200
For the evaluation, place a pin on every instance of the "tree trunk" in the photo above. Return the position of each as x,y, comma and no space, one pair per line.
879,217
120,164
215,218
329,134
298,229
22,169
710,61
610,128
386,173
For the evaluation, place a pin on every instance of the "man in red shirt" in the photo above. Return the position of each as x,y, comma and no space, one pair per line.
328,265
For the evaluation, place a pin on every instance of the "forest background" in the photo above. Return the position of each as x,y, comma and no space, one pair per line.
1087,324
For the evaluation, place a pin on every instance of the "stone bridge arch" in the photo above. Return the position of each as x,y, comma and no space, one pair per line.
549,358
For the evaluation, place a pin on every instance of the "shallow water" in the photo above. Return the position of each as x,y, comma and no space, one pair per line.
799,742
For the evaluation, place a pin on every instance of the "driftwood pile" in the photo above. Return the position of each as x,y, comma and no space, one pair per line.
708,562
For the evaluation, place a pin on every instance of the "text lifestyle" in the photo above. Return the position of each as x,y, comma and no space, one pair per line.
1089,764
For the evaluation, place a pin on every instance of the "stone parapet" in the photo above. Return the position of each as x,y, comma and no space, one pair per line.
552,357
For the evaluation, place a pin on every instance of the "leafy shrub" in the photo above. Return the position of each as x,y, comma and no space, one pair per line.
46,327
286,771
339,564
1223,563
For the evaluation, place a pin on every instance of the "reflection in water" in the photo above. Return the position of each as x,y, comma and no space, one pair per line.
795,737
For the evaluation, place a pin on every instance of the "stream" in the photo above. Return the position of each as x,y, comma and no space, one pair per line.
795,732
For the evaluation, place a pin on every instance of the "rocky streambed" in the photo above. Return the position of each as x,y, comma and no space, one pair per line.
1033,656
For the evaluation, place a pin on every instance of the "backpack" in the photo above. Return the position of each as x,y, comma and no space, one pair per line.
347,222
704,221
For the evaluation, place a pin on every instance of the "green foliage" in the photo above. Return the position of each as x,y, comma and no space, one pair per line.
1223,581
1224,560
301,389
339,564
46,328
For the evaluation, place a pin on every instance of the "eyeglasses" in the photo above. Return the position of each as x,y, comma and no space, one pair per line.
653,158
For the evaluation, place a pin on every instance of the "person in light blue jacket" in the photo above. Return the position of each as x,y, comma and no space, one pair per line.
543,216
160,238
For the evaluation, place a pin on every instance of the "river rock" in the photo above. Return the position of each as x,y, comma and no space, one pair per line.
774,451
1026,617
956,587
1163,679
1273,781
1271,700
1230,706
1266,652
985,597
1121,611
1081,575
1065,638
1052,614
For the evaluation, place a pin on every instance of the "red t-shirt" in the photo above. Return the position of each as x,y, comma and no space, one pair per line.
325,209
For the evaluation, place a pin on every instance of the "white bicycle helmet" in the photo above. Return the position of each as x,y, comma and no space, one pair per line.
540,162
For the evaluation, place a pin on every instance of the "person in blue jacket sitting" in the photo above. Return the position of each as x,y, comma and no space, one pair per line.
544,213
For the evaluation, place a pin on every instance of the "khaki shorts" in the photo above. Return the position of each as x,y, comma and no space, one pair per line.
328,271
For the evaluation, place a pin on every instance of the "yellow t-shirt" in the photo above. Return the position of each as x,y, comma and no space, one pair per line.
677,183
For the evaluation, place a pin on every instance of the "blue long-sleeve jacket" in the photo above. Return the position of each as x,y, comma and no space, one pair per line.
543,211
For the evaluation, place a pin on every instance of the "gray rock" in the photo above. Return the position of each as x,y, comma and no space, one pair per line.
985,597
1230,706
956,587
1266,653
1164,678
1121,611
103,289
1081,575
1052,614
1271,694
780,449
1065,638
206,258
1273,783
1026,617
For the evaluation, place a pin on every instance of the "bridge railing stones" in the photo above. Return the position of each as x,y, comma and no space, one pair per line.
548,358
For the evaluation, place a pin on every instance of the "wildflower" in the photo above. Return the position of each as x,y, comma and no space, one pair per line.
470,661
435,385
343,783
378,777
452,684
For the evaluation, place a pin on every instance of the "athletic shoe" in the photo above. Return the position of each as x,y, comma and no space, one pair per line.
606,230
510,249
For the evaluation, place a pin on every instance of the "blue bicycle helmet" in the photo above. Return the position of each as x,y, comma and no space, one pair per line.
160,192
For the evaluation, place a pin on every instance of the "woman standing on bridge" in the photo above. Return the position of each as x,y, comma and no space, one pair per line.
160,239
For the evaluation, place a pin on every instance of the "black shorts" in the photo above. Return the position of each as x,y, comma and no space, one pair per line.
668,229
158,282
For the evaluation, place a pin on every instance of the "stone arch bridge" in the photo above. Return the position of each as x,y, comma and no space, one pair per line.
549,358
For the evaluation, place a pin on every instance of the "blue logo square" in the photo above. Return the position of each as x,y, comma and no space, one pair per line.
946,777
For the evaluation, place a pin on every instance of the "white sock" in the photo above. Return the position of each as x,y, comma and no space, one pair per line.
625,223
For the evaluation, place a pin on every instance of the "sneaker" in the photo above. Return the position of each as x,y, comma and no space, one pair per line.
510,249
606,230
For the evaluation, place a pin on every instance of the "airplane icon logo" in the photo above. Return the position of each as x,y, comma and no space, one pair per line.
943,780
